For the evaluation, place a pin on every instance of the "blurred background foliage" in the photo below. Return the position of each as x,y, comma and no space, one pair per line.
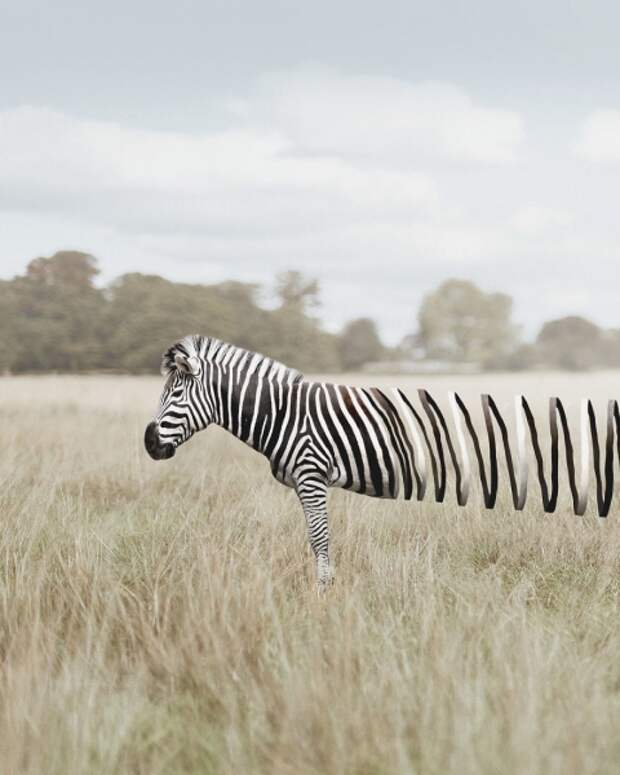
56,318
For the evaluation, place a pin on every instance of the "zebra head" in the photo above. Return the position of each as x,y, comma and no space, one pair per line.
184,406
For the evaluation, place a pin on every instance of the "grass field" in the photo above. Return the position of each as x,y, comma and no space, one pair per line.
162,617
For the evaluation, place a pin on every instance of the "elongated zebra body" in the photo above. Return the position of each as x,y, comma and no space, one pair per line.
319,435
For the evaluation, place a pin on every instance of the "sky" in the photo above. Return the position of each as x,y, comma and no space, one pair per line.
380,147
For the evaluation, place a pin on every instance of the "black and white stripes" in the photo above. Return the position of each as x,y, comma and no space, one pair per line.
318,435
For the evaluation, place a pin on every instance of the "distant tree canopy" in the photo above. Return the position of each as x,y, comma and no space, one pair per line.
54,318
459,322
295,335
359,344
52,314
575,343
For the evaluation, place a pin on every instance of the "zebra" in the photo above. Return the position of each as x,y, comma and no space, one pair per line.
315,435
318,435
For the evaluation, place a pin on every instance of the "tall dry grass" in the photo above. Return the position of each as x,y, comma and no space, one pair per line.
161,617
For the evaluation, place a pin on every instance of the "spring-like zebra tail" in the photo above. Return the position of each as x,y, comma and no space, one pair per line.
435,438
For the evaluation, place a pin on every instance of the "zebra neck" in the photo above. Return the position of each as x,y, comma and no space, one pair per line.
253,408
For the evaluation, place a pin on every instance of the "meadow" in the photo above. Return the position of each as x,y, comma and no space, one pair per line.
162,618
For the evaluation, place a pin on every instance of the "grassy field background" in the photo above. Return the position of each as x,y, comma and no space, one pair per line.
162,617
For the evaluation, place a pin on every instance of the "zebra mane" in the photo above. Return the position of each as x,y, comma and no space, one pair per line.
210,350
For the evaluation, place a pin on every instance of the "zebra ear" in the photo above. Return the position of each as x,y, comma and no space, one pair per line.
187,363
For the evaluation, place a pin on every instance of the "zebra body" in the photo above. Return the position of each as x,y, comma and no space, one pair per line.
315,435
318,435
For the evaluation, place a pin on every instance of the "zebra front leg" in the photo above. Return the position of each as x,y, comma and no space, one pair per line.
312,493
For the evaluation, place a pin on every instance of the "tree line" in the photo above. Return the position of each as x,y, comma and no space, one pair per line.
55,318
460,323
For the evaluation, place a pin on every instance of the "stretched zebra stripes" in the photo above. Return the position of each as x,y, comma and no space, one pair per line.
517,466
319,435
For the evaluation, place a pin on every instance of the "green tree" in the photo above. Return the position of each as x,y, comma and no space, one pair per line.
572,343
461,323
146,313
296,334
57,313
54,318
248,325
359,343
297,292
9,331
612,338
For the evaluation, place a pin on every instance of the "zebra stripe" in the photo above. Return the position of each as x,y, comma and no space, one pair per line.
318,435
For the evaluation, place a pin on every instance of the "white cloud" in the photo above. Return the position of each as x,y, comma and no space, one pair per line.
233,180
321,112
312,152
379,187
600,139
308,150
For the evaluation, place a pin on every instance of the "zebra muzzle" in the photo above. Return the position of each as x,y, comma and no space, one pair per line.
154,447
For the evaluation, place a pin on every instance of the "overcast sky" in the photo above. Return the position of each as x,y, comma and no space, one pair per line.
381,147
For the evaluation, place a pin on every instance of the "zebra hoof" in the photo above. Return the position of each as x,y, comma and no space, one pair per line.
324,585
